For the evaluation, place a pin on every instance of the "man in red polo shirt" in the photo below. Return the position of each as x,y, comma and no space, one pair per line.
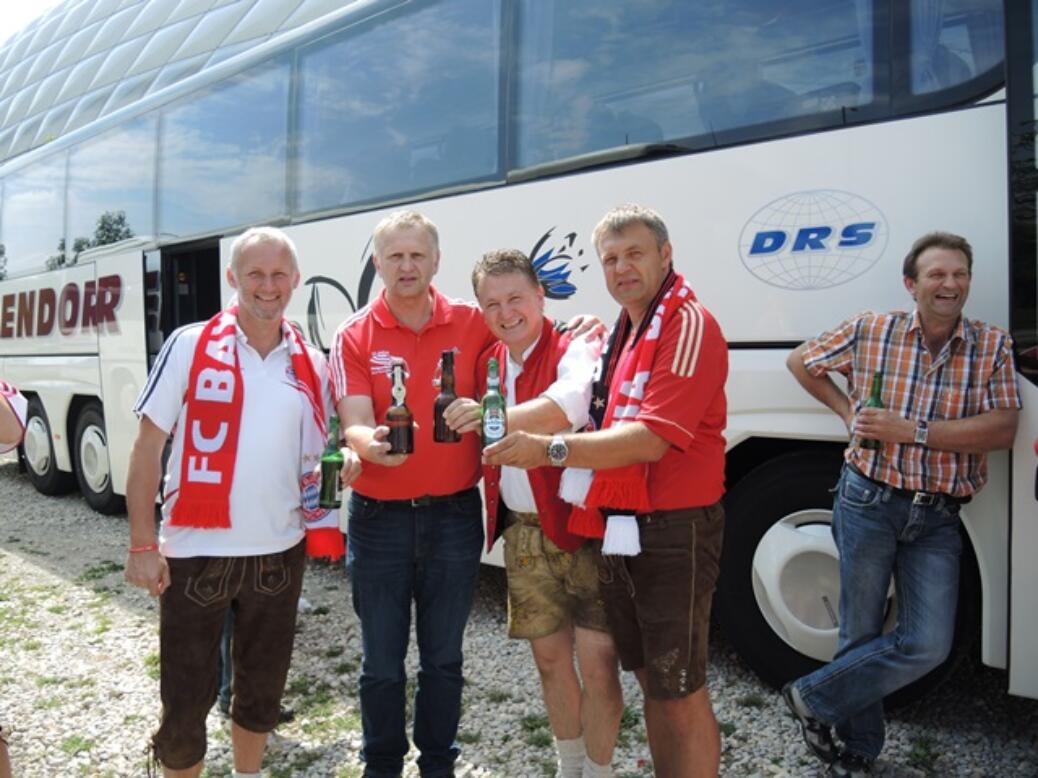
656,486
415,529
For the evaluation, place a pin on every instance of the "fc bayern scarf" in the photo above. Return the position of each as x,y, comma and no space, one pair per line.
214,400
622,491
13,398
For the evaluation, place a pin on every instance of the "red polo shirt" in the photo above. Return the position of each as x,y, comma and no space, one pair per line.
361,360
685,405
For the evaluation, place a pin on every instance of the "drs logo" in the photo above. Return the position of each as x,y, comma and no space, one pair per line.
813,240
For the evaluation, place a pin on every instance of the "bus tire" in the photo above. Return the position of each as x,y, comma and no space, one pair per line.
38,448
778,588
92,465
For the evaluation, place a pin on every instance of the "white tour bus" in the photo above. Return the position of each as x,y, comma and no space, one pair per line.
795,150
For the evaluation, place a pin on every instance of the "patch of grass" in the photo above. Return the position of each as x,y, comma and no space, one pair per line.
630,718
469,737
32,645
349,771
548,767
103,625
102,569
923,755
540,739
151,665
533,722
57,608
752,700
345,668
727,728
333,652
321,610
76,745
498,695
49,680
46,703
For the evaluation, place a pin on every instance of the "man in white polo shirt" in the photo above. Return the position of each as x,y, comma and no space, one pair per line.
246,402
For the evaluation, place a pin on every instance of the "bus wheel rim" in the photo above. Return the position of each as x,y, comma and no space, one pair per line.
37,445
93,459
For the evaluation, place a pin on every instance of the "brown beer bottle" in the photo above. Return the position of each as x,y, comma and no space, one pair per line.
398,416
441,432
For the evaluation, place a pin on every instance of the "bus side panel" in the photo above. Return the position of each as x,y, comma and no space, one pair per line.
55,380
124,368
1023,626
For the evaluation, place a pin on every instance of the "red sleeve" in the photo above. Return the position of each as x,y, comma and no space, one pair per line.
351,375
688,376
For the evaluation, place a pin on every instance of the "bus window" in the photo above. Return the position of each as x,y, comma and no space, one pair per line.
34,216
222,155
953,41
613,73
111,186
405,104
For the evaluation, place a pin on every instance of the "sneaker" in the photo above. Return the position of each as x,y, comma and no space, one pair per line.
817,735
849,765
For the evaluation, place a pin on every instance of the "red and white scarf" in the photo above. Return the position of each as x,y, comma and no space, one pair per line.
214,400
623,490
18,404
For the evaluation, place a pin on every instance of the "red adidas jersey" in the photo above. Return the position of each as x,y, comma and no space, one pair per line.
361,360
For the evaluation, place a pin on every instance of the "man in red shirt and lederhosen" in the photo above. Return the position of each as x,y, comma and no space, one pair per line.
650,481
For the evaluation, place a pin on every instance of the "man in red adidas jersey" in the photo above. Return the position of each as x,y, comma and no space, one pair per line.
415,528
650,481
245,400
949,396
553,593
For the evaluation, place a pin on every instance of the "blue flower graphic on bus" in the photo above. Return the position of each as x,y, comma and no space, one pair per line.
553,265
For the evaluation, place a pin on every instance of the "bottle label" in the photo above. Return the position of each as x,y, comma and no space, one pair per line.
494,424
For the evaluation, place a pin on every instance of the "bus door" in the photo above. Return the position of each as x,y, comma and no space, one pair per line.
190,281
1022,96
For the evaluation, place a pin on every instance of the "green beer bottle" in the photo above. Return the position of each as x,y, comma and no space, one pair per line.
875,401
495,423
331,464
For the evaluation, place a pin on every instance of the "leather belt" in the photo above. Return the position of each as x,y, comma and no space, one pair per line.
424,501
917,497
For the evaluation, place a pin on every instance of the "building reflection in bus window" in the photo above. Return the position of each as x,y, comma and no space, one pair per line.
111,184
953,41
34,216
223,155
403,104
613,73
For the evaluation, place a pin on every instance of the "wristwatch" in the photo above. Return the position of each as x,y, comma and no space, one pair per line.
557,451
922,429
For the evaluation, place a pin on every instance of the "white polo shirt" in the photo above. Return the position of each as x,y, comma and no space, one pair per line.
265,498
571,391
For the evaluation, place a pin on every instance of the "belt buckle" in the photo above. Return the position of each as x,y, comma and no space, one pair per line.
925,498
420,502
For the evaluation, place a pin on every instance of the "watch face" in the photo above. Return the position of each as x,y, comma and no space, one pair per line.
557,451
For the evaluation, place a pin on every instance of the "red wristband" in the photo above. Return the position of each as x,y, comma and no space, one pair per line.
141,549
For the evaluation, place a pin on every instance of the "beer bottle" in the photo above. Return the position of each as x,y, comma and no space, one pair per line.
441,432
494,419
875,401
398,416
331,465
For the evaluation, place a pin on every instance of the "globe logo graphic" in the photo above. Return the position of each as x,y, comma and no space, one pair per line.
813,240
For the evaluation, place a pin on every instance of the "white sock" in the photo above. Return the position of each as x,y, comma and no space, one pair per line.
595,770
245,775
571,757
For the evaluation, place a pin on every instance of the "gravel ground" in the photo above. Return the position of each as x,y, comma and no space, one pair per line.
79,668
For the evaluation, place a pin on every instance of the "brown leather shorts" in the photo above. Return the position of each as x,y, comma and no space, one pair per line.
264,592
548,588
658,602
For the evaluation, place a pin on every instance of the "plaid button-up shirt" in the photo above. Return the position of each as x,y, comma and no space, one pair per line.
973,374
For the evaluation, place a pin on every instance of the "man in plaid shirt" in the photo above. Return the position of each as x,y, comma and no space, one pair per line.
949,396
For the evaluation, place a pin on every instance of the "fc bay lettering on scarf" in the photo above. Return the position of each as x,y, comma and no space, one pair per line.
213,385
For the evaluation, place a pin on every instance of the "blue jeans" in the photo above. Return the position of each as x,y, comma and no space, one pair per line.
879,532
429,555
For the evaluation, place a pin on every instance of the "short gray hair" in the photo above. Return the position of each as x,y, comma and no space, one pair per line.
404,220
623,216
263,234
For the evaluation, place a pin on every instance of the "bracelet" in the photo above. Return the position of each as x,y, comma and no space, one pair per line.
141,549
